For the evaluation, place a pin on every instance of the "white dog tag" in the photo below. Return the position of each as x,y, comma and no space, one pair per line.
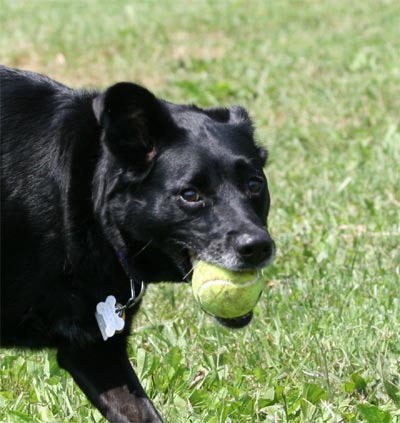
108,318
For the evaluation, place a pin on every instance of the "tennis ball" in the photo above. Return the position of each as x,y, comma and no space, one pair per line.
224,293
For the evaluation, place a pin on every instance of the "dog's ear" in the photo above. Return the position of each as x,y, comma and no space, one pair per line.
240,116
263,155
237,115
134,122
219,114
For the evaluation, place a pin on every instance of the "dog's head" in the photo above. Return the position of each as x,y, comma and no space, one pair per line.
189,181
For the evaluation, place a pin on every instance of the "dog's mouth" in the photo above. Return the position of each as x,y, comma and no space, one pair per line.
189,261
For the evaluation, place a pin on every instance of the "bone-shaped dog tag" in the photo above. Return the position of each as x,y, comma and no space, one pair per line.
108,318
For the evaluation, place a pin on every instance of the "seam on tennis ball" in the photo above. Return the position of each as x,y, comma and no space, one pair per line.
227,283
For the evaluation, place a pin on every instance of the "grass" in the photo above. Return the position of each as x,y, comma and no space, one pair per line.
322,81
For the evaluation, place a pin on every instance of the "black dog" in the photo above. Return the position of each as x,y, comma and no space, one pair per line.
101,191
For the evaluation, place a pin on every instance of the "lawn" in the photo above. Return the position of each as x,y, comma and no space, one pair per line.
322,82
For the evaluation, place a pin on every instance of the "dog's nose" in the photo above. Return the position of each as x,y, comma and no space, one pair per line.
255,249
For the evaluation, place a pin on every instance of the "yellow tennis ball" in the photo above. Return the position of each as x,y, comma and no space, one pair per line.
224,293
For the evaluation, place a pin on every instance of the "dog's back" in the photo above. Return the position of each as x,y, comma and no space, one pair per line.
40,128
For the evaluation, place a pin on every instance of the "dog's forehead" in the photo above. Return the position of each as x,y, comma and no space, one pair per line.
202,131
191,118
208,148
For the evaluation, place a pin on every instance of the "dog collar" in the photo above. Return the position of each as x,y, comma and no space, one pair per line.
110,315
135,296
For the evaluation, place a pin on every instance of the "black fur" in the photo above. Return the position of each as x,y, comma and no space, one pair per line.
89,175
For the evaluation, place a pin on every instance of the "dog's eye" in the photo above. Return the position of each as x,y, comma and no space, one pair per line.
255,185
190,195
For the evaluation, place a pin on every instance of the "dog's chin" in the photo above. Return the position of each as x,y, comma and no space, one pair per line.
235,323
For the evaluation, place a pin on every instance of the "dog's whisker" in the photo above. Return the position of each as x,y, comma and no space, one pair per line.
188,273
142,249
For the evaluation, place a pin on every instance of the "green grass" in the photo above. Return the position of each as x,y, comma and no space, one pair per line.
322,81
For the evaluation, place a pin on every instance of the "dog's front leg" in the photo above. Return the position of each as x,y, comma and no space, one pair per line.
105,375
